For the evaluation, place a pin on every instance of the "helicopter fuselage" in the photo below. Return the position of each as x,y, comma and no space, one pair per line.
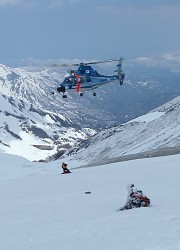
86,82
86,78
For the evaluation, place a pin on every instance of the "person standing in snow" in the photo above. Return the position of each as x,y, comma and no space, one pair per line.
65,168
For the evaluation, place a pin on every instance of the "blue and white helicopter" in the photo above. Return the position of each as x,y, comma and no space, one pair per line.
85,78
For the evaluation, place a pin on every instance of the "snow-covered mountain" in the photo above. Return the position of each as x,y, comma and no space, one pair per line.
143,91
41,126
34,133
34,123
153,133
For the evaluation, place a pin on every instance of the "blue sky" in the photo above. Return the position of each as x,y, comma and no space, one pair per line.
88,29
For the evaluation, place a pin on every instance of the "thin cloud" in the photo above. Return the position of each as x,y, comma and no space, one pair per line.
150,11
56,4
170,61
74,1
10,2
59,3
172,57
13,3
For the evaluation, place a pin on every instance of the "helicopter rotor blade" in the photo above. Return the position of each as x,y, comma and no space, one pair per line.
83,64
104,61
62,65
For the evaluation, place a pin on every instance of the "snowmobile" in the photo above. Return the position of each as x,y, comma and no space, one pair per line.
135,199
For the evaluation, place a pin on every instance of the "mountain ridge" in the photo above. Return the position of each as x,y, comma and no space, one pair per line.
157,130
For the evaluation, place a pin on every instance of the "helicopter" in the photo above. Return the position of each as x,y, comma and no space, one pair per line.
85,78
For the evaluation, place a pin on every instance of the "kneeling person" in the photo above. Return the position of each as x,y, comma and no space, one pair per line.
65,168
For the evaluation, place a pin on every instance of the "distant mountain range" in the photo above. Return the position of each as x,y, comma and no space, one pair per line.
40,126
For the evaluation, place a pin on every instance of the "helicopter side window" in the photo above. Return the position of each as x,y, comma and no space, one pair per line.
82,79
75,81
88,79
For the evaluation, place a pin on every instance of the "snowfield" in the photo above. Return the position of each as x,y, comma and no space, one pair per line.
42,209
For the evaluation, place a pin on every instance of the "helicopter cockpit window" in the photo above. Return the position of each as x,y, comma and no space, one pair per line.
70,81
67,80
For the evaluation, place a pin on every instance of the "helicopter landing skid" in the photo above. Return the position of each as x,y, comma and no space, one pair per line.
82,93
94,93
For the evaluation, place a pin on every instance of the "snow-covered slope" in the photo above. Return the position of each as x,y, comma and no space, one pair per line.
156,130
34,133
42,209
31,87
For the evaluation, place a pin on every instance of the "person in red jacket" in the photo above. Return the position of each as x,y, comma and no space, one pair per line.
65,168
135,198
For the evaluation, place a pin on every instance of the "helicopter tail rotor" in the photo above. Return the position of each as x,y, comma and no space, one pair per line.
119,72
